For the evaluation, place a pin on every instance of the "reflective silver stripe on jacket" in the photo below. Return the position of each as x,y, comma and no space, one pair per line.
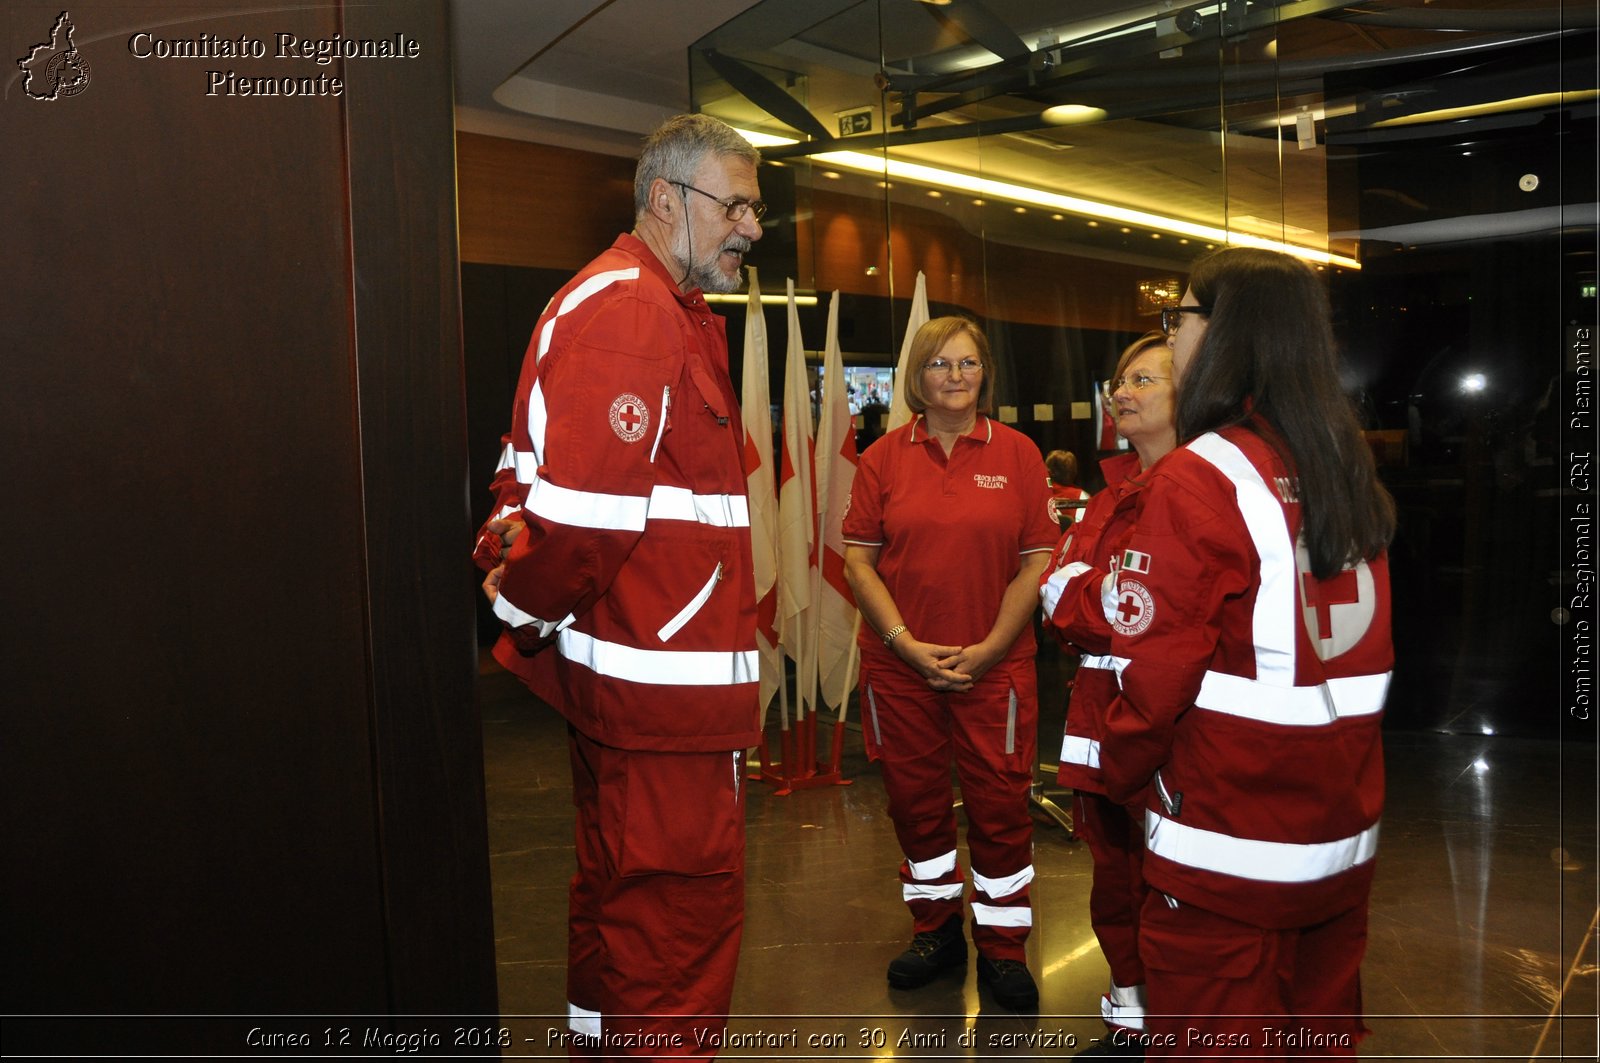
1249,858
1338,698
1277,605
689,668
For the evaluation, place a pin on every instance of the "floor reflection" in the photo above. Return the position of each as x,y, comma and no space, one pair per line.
1481,937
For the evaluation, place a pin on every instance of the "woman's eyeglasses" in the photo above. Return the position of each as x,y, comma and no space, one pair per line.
966,367
1172,316
1136,382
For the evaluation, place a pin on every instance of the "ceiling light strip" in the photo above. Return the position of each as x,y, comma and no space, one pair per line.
766,300
987,187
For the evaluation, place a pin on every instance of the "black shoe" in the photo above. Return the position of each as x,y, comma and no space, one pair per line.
931,952
1009,983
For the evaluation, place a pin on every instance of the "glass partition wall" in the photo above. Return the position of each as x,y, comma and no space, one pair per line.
1052,169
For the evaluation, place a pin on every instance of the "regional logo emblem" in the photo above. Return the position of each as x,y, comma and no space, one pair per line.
630,418
55,68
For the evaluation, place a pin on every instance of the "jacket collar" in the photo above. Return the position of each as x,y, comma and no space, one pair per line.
637,248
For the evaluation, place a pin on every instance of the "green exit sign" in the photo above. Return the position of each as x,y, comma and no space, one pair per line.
852,122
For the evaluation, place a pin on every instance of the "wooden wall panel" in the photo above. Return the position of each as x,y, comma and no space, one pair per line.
555,208
536,205
241,772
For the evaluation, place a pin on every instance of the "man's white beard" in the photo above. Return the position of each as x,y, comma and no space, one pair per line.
706,274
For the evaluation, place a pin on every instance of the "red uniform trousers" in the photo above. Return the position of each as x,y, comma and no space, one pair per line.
1115,837
657,903
990,733
1221,989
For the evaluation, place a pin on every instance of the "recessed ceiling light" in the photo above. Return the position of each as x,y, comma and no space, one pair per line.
1072,114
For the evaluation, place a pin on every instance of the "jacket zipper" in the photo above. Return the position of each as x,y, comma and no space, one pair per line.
1172,802
686,614
666,408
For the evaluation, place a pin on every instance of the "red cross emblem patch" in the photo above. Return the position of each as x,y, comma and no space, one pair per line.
1135,608
630,418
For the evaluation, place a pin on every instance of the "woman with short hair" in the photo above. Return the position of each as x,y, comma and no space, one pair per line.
946,534
1144,399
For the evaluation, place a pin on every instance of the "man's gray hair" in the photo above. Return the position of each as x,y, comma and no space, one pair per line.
677,148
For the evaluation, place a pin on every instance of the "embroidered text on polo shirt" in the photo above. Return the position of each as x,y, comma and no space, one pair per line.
992,482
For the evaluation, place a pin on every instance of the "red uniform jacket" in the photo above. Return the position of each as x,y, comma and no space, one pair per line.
629,599
1072,593
1252,693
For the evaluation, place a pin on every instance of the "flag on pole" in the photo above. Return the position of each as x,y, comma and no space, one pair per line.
797,516
761,485
899,412
835,606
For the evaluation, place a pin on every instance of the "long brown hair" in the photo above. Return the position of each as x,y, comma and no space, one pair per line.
1268,352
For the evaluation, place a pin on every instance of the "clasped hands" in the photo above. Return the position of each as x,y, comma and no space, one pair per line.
947,669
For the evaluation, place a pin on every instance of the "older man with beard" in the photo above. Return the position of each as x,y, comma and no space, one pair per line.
619,560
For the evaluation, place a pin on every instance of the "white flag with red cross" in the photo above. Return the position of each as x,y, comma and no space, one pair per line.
797,514
899,412
835,606
755,398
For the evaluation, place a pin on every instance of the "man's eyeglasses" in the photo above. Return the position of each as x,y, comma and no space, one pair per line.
966,367
1136,382
1172,316
735,208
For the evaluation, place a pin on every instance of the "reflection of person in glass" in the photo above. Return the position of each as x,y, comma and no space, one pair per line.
1143,397
947,533
1067,499
1251,629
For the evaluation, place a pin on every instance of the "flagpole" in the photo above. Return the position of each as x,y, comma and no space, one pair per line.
837,758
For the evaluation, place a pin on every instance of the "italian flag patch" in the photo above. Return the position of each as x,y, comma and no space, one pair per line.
1134,561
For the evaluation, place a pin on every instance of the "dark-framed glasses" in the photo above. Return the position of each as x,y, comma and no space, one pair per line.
1137,381
966,367
734,207
1172,316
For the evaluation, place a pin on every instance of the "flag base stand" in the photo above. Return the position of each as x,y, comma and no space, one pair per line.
798,770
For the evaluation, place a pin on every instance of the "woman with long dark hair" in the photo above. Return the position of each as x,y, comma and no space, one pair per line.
1251,628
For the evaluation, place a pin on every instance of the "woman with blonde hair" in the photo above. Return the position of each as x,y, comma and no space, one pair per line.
946,535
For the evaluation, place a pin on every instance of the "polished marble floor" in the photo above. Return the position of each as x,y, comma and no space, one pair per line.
1482,935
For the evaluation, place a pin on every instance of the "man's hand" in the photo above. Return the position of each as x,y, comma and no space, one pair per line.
508,530
491,582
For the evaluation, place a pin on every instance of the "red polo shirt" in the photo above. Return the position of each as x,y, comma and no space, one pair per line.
951,530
